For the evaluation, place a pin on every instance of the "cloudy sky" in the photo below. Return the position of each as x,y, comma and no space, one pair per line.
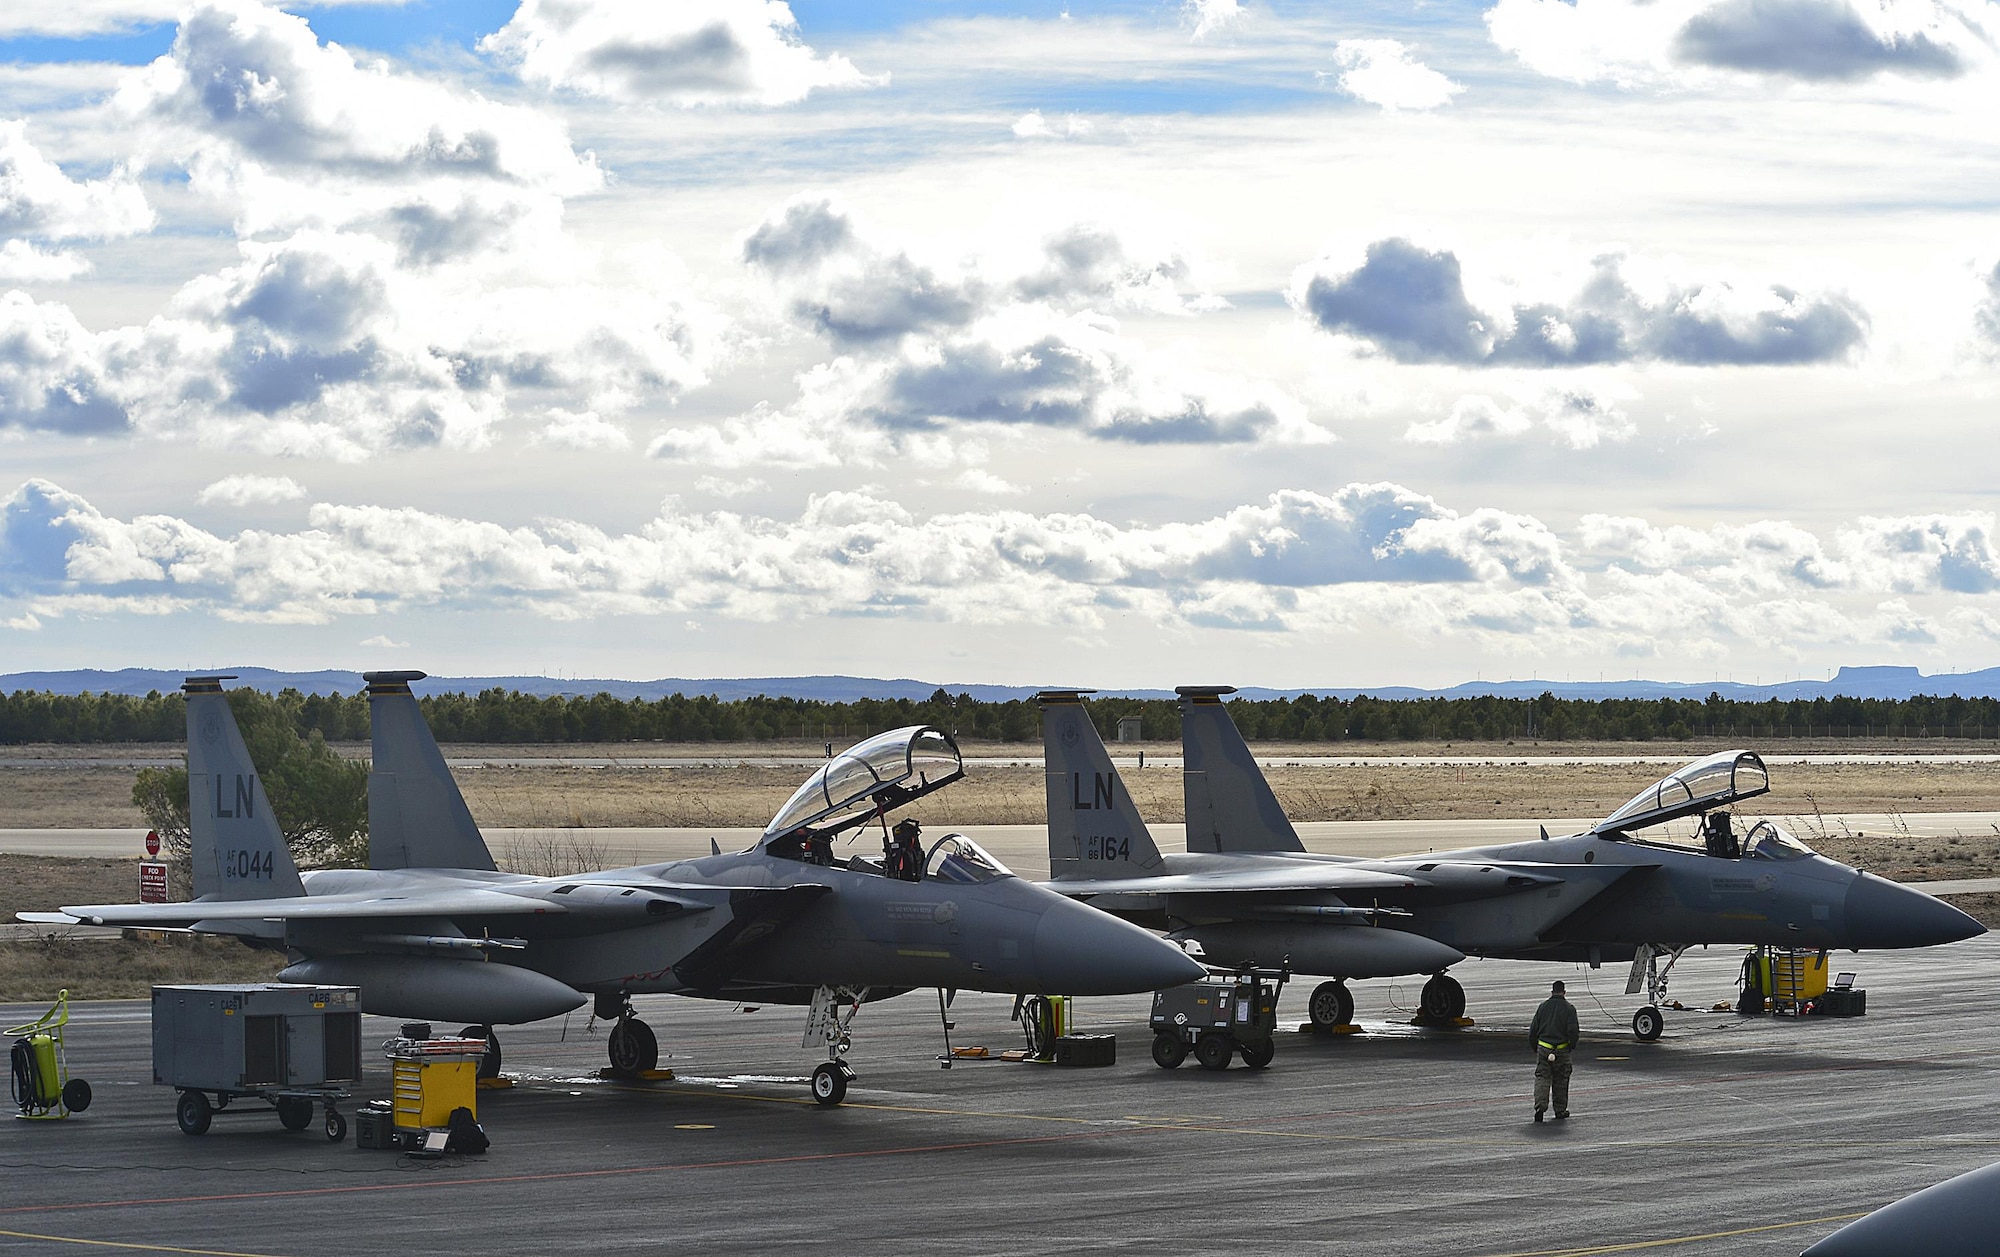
1109,343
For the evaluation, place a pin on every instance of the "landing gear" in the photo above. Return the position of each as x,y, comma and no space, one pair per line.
829,1082
1332,1004
1647,1024
1648,973
489,1064
1443,999
830,1020
632,1046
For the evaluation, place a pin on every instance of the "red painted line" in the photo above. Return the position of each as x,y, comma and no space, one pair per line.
558,1176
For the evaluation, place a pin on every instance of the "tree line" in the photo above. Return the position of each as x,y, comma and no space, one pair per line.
504,716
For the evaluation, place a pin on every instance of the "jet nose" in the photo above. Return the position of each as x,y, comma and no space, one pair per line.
1882,914
1081,951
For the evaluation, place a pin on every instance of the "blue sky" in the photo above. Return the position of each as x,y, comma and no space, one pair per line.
1120,344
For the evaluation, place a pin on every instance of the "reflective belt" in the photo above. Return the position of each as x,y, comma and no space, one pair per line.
1553,1047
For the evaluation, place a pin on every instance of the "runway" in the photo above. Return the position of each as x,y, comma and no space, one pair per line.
1739,1135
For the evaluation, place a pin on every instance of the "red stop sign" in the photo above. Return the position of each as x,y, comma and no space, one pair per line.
152,842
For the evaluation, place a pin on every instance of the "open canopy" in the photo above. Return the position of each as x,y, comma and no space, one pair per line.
883,772
1702,786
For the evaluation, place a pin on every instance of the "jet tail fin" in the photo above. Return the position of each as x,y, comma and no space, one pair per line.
1094,827
239,850
1230,806
416,816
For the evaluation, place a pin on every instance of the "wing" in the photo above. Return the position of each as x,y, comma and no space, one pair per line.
1287,876
468,901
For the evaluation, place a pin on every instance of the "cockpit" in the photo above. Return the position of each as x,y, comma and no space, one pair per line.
957,858
1703,786
1768,840
864,783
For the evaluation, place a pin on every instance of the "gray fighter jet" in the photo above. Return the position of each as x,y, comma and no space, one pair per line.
1248,892
1959,1215
438,932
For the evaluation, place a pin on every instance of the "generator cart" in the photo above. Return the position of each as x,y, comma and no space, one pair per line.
42,1086
293,1047
1217,1017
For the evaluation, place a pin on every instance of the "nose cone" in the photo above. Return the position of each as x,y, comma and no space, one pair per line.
1882,914
1955,1216
1081,951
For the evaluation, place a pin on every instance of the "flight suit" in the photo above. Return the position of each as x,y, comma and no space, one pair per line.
1553,1033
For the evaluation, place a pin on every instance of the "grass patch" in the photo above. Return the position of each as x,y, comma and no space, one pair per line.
34,970
44,883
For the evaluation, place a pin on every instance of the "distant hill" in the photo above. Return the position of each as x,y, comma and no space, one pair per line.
1867,682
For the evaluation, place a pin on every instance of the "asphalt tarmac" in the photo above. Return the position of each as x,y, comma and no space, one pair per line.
1739,1135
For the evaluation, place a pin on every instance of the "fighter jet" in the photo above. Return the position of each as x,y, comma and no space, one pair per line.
439,933
1958,1215
1604,895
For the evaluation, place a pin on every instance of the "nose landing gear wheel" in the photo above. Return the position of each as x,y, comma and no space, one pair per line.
1168,1051
829,1083
1332,1004
1443,999
192,1113
489,1064
1647,1024
632,1046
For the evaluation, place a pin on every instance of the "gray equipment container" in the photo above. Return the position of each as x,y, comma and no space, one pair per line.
243,1037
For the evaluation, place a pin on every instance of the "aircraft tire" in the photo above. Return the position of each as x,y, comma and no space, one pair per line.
294,1114
633,1047
1435,1002
1214,1051
192,1113
829,1084
489,1064
1332,1004
1258,1055
1168,1051
1647,1024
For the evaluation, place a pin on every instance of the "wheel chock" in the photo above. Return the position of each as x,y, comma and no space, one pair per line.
493,1084
644,1075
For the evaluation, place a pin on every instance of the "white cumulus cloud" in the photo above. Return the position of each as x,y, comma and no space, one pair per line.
250,490
1382,72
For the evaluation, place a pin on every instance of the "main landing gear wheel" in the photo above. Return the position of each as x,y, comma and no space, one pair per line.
1258,1055
1647,1024
489,1064
1168,1051
294,1114
1443,999
829,1083
336,1127
632,1046
1332,1004
192,1113
1214,1051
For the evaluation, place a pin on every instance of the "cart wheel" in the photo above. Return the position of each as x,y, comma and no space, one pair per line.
1647,1024
1168,1051
632,1046
1214,1051
1332,1004
1258,1055
76,1095
294,1113
192,1112
336,1127
829,1084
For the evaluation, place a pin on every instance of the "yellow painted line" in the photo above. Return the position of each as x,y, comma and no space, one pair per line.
1685,1239
693,1126
144,1248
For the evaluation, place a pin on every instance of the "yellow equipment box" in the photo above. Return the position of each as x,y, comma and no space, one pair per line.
432,1077
1793,977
